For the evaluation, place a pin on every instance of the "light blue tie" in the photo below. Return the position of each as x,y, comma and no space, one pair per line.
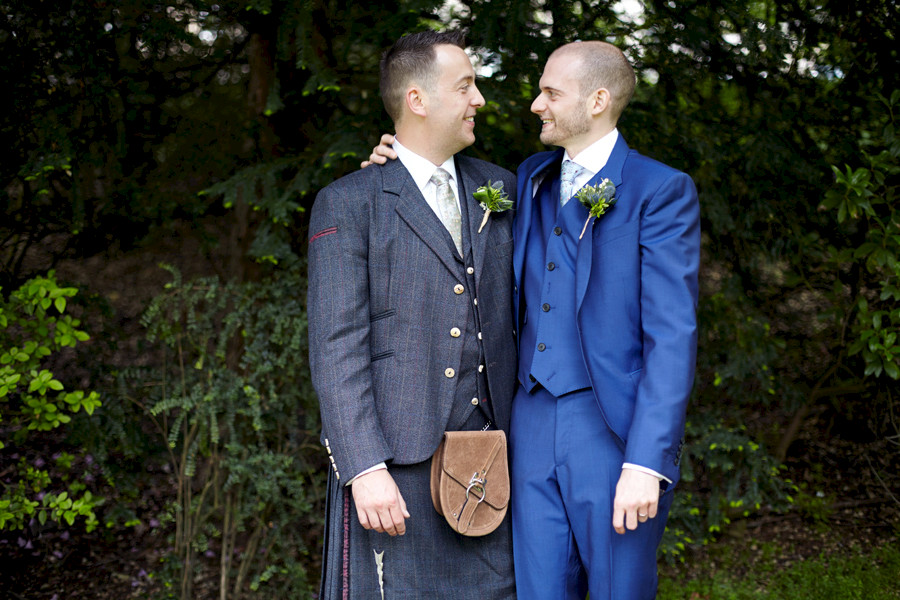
446,201
570,172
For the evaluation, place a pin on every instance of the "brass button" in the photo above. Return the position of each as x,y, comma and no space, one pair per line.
551,266
449,373
458,288
541,347
454,332
470,270
474,401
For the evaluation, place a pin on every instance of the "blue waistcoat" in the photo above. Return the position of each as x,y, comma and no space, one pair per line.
550,350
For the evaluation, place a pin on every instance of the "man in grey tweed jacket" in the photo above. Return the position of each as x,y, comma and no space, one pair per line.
411,334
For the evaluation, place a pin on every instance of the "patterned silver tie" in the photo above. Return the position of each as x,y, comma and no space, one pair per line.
570,172
449,208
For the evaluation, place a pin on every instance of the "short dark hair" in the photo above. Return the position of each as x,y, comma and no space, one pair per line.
411,60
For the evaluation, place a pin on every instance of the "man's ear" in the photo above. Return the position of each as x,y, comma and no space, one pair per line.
600,101
415,101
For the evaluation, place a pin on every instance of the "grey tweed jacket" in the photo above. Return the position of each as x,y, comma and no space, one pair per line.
383,299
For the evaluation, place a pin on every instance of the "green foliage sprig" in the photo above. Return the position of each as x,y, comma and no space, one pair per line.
597,199
492,198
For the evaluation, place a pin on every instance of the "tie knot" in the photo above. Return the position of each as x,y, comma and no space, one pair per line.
440,177
570,170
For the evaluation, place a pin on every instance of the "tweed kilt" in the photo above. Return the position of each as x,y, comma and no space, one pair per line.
429,562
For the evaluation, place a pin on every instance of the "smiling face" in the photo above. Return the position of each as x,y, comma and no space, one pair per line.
565,112
451,105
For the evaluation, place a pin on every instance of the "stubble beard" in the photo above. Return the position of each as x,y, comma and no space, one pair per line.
565,128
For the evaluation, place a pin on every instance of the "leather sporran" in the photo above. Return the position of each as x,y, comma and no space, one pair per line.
470,480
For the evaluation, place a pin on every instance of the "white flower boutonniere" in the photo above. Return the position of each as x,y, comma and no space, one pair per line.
492,198
597,199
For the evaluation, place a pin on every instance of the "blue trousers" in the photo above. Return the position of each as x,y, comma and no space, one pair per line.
565,467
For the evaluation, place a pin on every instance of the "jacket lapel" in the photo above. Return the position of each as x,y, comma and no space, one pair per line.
613,171
525,210
469,182
414,210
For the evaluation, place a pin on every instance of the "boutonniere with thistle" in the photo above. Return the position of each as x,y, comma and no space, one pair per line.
597,199
492,198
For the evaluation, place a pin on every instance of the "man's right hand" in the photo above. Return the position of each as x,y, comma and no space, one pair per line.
379,504
380,153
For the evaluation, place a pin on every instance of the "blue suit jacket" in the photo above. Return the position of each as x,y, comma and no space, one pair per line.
636,299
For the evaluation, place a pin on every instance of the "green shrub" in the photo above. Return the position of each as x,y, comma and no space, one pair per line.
34,330
236,409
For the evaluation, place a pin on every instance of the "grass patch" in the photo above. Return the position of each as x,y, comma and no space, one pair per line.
855,575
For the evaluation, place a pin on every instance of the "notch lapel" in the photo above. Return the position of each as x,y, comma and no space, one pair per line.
415,212
525,211
612,170
468,183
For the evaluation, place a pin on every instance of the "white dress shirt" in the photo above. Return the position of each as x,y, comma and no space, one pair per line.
422,169
591,159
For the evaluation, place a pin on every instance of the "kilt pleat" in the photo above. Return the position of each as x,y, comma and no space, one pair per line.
429,562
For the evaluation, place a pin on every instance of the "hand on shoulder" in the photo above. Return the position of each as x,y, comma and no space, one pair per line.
381,153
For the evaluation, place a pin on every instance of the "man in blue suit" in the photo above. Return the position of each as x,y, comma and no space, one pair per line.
606,314
607,341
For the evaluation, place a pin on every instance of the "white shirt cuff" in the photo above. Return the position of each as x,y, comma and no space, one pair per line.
634,467
377,467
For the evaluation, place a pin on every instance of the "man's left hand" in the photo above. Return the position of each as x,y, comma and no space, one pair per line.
637,499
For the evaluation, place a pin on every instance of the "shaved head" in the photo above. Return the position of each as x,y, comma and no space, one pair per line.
601,65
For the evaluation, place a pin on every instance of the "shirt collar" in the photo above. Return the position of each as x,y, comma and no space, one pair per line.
594,157
421,169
